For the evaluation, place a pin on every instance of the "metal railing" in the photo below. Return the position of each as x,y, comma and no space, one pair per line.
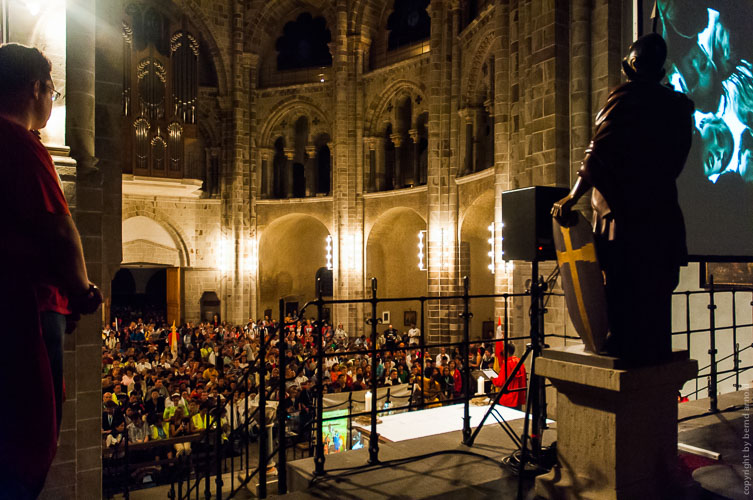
231,451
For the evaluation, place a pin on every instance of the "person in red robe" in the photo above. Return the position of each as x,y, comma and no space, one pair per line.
507,363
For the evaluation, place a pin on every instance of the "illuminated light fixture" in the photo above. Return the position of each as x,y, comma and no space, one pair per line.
321,77
491,254
421,251
329,252
502,238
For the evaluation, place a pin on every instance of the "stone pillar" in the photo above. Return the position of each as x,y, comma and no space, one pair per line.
311,171
466,122
397,173
616,426
381,164
370,159
287,174
413,133
267,172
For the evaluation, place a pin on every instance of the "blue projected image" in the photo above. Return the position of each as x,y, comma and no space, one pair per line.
710,56
725,107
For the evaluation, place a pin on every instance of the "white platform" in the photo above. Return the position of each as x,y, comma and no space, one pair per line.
433,421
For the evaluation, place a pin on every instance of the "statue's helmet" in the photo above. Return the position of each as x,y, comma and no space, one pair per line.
645,58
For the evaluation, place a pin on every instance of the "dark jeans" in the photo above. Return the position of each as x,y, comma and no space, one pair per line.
53,330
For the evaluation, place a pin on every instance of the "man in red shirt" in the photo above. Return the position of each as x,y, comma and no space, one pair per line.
507,363
45,286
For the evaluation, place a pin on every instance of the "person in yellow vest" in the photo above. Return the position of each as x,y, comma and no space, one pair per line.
200,421
159,430
206,351
170,410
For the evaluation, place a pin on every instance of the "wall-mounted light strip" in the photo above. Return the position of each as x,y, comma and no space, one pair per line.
492,254
421,250
329,252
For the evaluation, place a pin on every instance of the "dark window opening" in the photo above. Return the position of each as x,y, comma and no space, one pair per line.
304,44
408,23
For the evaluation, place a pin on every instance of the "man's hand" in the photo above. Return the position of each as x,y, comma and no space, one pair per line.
87,303
562,210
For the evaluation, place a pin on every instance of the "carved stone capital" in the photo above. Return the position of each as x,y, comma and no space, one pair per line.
396,139
289,153
413,133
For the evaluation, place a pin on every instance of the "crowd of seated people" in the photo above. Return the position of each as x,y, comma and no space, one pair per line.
155,389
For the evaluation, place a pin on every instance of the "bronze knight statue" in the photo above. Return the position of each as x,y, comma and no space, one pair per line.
641,140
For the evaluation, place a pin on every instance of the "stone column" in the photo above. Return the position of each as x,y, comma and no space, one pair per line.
381,164
311,171
398,179
287,174
413,134
616,426
267,174
370,144
466,121
476,116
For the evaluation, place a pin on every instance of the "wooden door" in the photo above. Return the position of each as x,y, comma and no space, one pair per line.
173,295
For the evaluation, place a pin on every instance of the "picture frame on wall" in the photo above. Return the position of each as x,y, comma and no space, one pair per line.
410,318
727,274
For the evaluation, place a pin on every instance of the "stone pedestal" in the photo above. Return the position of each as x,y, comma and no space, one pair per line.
616,426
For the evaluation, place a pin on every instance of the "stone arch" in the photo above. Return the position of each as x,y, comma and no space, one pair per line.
391,213
392,258
170,226
291,251
474,259
267,17
293,108
378,106
470,81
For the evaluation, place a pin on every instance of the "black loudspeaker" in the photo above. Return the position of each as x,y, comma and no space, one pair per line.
527,223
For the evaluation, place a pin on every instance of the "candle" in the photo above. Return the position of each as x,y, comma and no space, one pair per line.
480,386
367,401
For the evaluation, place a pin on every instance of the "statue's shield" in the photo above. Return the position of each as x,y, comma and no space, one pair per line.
582,281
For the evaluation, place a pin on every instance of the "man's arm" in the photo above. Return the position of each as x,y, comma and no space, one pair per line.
57,234
59,243
562,209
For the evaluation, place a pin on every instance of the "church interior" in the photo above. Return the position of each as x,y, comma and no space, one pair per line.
233,160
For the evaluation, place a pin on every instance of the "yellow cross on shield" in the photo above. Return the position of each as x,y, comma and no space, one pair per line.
582,281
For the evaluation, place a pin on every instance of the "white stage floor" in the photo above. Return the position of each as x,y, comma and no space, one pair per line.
433,421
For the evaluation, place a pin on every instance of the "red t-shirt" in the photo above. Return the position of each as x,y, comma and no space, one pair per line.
31,186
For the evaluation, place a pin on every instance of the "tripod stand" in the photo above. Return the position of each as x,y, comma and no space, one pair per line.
536,401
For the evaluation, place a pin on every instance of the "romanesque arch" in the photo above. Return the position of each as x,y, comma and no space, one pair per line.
392,258
267,17
474,256
291,250
170,227
295,150
396,131
477,106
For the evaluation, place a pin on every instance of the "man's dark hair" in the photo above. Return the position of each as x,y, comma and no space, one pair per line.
20,66
509,349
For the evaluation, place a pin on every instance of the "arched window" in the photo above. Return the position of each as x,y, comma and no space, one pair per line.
409,23
303,44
